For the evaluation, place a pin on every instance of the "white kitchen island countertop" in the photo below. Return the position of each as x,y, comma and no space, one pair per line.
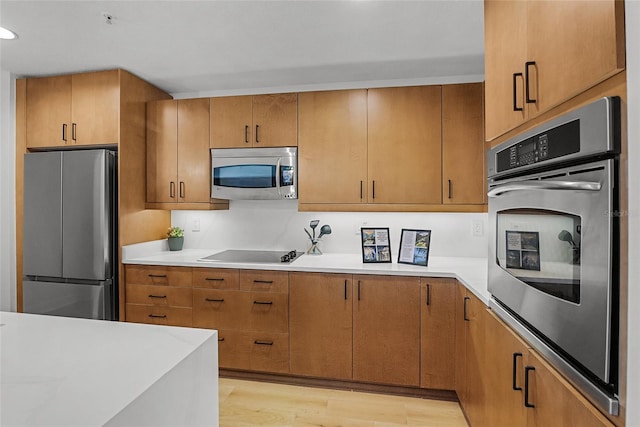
472,272
59,371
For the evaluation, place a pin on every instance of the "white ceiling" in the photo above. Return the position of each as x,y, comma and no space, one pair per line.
224,46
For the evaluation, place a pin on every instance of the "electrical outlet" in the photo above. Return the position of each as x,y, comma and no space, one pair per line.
477,228
195,225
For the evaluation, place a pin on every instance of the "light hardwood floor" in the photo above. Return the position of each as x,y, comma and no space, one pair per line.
248,403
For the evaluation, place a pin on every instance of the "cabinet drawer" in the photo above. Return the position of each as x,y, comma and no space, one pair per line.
264,281
254,351
215,278
157,275
159,295
173,316
265,311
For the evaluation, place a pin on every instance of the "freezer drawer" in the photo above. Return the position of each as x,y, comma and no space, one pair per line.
68,299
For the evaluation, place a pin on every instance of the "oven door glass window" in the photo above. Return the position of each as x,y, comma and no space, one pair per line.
245,176
542,249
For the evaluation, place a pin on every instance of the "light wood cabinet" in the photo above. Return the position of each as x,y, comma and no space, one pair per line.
78,109
404,145
386,329
437,333
321,325
254,121
463,151
541,53
332,147
178,161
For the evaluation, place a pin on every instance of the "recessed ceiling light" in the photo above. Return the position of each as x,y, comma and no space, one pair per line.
7,34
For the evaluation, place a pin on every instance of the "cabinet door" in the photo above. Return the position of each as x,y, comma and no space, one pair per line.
332,155
557,403
320,325
505,32
275,120
404,145
386,330
162,151
575,45
194,164
461,344
231,122
504,373
95,108
48,111
437,341
463,151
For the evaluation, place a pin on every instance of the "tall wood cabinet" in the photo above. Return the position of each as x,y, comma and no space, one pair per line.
254,121
541,53
75,109
178,160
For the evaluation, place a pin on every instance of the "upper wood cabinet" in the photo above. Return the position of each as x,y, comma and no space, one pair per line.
254,121
77,109
178,162
463,153
332,146
541,53
404,145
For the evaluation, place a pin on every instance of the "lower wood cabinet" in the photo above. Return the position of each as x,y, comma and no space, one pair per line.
170,316
253,351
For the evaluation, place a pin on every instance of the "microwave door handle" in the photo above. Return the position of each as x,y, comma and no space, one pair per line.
544,185
278,177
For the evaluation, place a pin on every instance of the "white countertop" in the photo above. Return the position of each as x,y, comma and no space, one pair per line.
472,272
79,372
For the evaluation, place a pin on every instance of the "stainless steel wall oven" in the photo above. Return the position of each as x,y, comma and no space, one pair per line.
553,260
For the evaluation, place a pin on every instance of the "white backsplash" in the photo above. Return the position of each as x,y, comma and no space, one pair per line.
277,225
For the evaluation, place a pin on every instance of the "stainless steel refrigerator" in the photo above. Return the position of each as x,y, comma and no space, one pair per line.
70,223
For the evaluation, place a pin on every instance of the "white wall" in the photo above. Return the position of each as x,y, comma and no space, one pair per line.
632,16
279,225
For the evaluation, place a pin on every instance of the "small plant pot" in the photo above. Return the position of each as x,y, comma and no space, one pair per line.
175,243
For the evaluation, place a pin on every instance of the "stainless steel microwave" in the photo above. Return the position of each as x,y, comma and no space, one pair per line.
254,173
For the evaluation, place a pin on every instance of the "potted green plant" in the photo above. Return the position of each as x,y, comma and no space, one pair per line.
175,237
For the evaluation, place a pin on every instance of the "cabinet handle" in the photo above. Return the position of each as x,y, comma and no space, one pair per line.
527,369
345,290
172,189
158,316
450,187
260,342
73,131
263,302
64,132
464,309
215,279
257,141
157,296
220,339
214,299
428,294
515,97
182,189
515,370
246,134
360,189
268,282
358,290
156,276
373,189
528,99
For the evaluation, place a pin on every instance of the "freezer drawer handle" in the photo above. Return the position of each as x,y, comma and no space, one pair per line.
259,342
527,369
263,302
157,296
268,282
158,316
214,299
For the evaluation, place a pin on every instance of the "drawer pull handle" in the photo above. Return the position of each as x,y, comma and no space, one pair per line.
220,339
268,282
157,296
157,275
515,371
259,342
214,299
215,279
263,302
527,369
158,316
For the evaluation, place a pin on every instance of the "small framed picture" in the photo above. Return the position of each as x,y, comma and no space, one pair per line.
375,245
523,250
414,247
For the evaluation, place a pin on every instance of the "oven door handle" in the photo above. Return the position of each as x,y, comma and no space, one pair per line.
545,185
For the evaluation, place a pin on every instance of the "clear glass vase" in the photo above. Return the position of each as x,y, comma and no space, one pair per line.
314,247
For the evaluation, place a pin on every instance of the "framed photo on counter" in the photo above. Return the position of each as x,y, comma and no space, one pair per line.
375,245
414,247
